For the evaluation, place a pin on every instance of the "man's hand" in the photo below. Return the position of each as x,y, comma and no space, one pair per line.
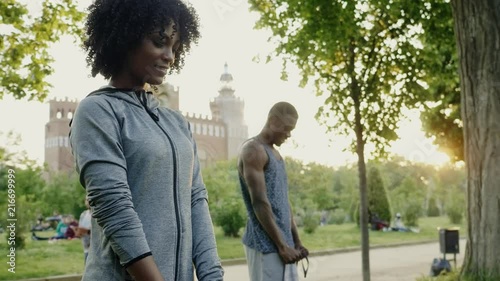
289,255
304,252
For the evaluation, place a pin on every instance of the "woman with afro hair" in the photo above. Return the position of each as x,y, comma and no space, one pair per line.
137,161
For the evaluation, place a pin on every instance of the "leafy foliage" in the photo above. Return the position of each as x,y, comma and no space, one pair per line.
441,116
455,208
408,199
225,201
432,209
24,43
311,221
221,181
378,202
358,53
35,196
338,216
310,184
412,212
363,59
230,215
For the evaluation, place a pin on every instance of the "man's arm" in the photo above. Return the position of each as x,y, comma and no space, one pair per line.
296,240
253,160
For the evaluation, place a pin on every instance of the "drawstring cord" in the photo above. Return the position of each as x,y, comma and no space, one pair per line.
144,101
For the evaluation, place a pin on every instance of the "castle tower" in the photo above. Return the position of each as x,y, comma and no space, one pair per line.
57,148
168,95
230,109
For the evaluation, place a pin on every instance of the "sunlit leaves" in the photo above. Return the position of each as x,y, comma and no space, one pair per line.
24,41
441,118
373,44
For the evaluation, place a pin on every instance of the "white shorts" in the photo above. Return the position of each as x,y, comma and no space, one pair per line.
269,267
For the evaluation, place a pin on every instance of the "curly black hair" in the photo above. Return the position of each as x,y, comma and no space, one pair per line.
115,27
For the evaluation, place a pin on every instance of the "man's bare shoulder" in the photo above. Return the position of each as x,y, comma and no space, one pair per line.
253,152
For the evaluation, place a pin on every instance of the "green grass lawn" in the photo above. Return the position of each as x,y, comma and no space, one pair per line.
40,259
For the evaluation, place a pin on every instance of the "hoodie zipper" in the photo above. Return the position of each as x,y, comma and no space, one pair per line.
176,203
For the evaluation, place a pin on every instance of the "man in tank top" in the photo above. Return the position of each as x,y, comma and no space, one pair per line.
271,240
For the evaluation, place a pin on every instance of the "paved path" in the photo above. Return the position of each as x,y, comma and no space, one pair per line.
404,263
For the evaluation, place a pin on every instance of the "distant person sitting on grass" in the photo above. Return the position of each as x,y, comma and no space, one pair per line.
64,230
377,223
41,225
398,224
72,228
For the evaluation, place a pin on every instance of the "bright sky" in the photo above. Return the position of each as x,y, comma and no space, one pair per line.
228,36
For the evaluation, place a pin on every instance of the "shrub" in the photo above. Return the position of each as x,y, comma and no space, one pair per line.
432,209
357,214
311,221
412,212
299,221
455,213
338,216
19,240
455,208
230,215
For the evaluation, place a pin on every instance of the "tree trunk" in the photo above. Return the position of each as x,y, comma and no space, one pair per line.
360,150
363,206
477,29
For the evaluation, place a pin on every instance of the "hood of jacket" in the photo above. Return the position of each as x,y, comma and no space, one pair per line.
140,98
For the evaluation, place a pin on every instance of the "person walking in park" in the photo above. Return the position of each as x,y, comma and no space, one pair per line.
137,161
271,240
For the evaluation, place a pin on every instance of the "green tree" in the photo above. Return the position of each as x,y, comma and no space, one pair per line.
408,199
345,189
432,208
222,182
477,30
20,184
24,43
319,184
449,180
298,191
455,208
378,202
441,117
361,56
63,194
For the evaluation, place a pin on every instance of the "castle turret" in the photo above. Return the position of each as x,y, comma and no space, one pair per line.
230,109
57,148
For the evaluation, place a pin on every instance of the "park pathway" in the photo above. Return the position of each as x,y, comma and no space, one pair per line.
405,263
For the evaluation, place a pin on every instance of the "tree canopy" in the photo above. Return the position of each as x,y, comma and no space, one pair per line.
25,41
441,116
363,58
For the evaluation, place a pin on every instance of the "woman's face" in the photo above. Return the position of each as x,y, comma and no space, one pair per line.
150,62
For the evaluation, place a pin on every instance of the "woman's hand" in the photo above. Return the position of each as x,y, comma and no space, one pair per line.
145,270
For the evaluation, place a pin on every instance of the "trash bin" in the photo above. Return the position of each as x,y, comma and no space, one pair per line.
448,241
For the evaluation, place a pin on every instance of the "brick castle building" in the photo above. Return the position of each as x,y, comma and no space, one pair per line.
218,136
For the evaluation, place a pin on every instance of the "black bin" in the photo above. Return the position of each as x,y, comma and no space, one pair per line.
448,241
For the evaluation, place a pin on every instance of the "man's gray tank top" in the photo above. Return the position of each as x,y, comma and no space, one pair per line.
255,236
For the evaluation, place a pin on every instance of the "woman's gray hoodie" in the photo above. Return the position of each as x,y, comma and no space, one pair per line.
139,166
